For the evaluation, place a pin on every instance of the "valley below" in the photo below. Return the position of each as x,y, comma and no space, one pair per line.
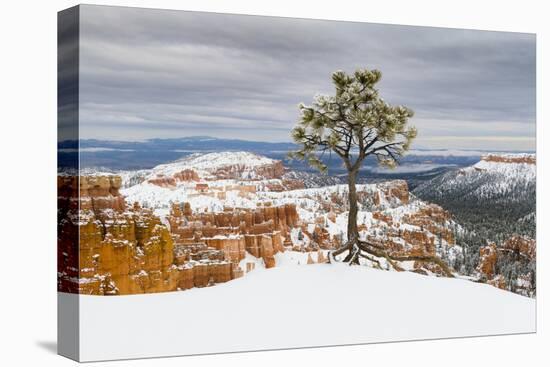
212,218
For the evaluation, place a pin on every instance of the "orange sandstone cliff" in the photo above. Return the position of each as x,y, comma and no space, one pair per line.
107,248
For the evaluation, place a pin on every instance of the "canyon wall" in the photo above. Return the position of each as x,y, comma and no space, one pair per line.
262,231
106,248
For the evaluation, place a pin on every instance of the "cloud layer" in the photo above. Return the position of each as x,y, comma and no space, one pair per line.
156,73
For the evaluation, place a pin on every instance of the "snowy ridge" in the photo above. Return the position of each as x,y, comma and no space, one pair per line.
509,155
206,164
494,200
486,179
511,165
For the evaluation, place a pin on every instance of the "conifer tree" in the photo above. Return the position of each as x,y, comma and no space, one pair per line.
354,123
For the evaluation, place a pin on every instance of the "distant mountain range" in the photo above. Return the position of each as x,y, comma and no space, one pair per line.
130,155
420,165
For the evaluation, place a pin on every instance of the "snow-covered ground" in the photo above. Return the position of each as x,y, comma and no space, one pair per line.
206,164
298,306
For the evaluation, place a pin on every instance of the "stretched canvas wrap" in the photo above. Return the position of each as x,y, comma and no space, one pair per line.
234,183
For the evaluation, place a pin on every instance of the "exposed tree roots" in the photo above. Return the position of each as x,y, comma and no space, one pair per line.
363,249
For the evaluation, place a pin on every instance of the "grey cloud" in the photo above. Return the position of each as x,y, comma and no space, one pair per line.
155,73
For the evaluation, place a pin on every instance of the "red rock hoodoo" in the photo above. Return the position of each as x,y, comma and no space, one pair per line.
514,249
260,231
528,158
105,248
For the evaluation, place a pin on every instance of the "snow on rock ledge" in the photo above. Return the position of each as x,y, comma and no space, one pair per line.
510,158
512,165
222,165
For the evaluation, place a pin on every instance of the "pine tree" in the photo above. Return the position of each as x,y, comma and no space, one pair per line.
354,123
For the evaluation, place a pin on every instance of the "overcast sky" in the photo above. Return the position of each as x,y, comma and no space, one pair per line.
166,74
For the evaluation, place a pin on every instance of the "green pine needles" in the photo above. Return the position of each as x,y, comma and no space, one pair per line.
354,123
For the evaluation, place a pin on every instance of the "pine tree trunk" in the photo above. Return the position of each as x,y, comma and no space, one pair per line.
356,248
353,232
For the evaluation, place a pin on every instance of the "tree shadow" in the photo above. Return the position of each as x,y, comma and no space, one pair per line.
48,345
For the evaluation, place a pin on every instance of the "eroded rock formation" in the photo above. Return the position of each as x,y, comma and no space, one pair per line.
260,231
497,261
503,158
240,171
397,189
488,260
106,248
127,249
